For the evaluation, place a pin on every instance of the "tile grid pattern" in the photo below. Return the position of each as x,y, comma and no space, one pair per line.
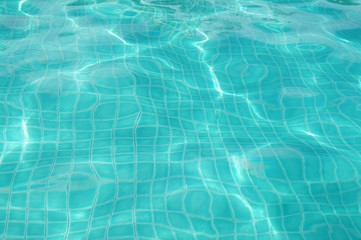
188,125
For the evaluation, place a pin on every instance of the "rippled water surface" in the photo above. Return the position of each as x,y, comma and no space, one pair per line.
180,119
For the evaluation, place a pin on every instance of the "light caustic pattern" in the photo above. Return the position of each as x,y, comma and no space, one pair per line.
202,119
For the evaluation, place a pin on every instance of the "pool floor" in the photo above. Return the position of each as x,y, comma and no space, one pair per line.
203,119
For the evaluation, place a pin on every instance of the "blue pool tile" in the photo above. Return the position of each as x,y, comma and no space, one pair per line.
179,119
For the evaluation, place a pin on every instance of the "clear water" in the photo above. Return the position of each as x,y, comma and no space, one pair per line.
180,119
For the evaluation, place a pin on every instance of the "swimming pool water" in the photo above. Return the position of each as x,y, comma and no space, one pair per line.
202,119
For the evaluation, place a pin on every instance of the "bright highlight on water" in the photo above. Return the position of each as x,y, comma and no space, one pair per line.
202,119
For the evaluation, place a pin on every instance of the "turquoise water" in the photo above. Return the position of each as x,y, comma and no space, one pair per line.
202,119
